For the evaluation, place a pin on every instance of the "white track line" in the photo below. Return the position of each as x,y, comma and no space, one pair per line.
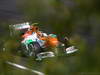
24,68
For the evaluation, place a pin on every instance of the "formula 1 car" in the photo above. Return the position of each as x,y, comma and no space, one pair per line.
32,47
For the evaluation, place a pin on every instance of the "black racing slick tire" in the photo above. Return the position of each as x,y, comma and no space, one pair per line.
31,49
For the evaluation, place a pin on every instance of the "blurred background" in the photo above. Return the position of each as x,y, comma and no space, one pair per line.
77,19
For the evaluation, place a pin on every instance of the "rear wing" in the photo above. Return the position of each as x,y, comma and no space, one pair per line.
21,26
18,27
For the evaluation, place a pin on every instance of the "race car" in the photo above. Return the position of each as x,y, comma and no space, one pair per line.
38,44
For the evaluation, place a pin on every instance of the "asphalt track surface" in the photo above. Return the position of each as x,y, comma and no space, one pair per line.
9,10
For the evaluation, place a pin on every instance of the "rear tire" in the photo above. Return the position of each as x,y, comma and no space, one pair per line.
36,48
31,49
